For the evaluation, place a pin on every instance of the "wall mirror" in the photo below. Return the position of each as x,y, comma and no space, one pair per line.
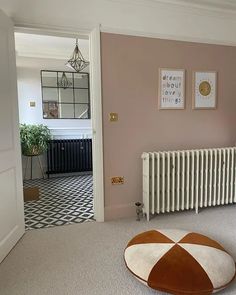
65,95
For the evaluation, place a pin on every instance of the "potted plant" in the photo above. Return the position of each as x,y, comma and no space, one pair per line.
34,139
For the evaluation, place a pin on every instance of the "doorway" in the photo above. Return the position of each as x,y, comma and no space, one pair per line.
12,210
92,206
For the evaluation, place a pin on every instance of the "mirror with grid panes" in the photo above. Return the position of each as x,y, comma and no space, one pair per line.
68,100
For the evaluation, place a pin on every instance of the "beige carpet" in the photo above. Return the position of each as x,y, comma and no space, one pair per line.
87,259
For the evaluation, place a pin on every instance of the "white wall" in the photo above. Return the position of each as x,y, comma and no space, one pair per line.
29,89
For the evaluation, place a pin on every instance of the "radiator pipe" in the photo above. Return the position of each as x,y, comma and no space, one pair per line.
139,210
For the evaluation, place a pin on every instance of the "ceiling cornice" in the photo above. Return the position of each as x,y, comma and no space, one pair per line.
43,54
219,7
214,5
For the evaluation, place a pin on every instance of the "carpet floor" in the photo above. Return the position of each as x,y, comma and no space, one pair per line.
87,258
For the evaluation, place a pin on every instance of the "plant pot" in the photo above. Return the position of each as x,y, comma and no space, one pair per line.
34,151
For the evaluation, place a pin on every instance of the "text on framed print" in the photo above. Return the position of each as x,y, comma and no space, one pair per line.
171,89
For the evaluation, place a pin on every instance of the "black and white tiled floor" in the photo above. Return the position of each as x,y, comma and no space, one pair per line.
63,200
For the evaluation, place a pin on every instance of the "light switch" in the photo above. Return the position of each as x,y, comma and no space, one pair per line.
32,104
113,117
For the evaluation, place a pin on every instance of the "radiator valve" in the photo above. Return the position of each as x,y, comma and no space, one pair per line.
139,210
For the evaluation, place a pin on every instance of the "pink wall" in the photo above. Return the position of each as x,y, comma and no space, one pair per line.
130,76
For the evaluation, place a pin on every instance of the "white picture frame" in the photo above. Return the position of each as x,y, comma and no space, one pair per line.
171,94
204,90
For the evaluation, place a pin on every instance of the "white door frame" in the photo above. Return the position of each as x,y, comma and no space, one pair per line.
96,100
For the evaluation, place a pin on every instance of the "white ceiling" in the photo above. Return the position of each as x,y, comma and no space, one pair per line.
46,52
207,21
12,7
51,47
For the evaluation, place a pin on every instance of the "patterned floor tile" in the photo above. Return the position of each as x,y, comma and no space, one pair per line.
63,200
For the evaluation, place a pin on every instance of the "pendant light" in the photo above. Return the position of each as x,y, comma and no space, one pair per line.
77,61
64,82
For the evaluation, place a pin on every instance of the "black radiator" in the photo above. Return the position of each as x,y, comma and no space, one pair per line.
69,155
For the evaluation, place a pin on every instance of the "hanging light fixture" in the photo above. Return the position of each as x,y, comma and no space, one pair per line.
64,82
77,61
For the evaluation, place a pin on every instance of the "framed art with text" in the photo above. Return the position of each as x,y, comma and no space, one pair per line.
204,90
171,89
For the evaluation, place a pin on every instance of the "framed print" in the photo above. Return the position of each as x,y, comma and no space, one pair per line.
204,90
171,89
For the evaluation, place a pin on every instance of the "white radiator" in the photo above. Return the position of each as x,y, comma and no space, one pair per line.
185,180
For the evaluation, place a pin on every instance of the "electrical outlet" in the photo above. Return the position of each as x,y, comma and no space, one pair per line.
117,180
